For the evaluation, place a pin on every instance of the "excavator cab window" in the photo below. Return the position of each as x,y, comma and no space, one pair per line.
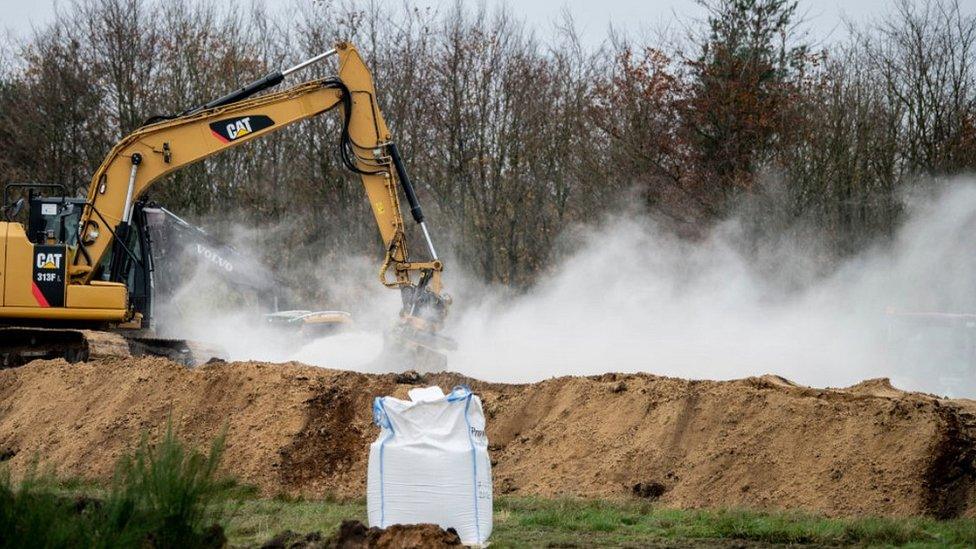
51,220
54,220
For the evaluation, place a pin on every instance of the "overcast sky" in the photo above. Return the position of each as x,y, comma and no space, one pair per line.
824,18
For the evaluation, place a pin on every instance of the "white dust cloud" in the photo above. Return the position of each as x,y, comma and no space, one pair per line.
633,298
208,308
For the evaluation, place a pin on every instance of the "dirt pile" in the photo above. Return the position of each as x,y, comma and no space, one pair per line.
353,534
757,442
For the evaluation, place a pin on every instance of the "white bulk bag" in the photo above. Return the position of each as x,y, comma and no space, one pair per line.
430,463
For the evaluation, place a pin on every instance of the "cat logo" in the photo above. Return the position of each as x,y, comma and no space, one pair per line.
231,129
48,261
239,128
48,284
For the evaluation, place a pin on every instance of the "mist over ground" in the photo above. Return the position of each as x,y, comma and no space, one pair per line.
634,298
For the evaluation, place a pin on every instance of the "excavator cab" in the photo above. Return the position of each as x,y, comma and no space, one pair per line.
51,220
52,226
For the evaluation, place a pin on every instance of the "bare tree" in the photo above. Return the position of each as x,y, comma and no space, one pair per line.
511,140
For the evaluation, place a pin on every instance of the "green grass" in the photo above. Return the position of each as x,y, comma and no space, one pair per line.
162,495
255,521
621,523
166,495
535,522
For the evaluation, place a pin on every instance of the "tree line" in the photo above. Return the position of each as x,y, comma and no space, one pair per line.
512,138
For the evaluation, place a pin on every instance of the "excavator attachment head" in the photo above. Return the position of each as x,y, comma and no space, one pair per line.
411,349
416,338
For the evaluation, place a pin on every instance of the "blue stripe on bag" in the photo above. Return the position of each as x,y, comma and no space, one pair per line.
383,420
474,464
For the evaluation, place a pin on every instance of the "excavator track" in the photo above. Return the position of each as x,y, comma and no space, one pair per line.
20,345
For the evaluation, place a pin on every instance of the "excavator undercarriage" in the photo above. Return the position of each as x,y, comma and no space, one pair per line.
22,344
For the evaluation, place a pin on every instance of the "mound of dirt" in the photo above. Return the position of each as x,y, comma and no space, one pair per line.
758,442
353,534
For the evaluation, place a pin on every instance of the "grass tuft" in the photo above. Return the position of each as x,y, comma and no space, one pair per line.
163,495
614,523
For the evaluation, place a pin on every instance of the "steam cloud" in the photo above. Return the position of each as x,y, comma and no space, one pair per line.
632,298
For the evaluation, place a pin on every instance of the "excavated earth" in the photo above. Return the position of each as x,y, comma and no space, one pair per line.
757,442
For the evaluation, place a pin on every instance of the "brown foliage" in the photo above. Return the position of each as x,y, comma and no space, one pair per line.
512,140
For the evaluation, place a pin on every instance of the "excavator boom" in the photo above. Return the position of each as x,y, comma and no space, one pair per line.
82,281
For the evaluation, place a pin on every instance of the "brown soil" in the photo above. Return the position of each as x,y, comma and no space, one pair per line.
353,534
757,442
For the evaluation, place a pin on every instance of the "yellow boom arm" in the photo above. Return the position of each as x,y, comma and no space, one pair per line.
149,153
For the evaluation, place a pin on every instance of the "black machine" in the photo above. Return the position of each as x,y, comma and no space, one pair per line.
160,252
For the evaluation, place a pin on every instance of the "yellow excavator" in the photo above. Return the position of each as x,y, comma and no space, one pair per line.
77,281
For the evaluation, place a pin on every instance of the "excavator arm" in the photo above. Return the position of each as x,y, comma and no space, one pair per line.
143,157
